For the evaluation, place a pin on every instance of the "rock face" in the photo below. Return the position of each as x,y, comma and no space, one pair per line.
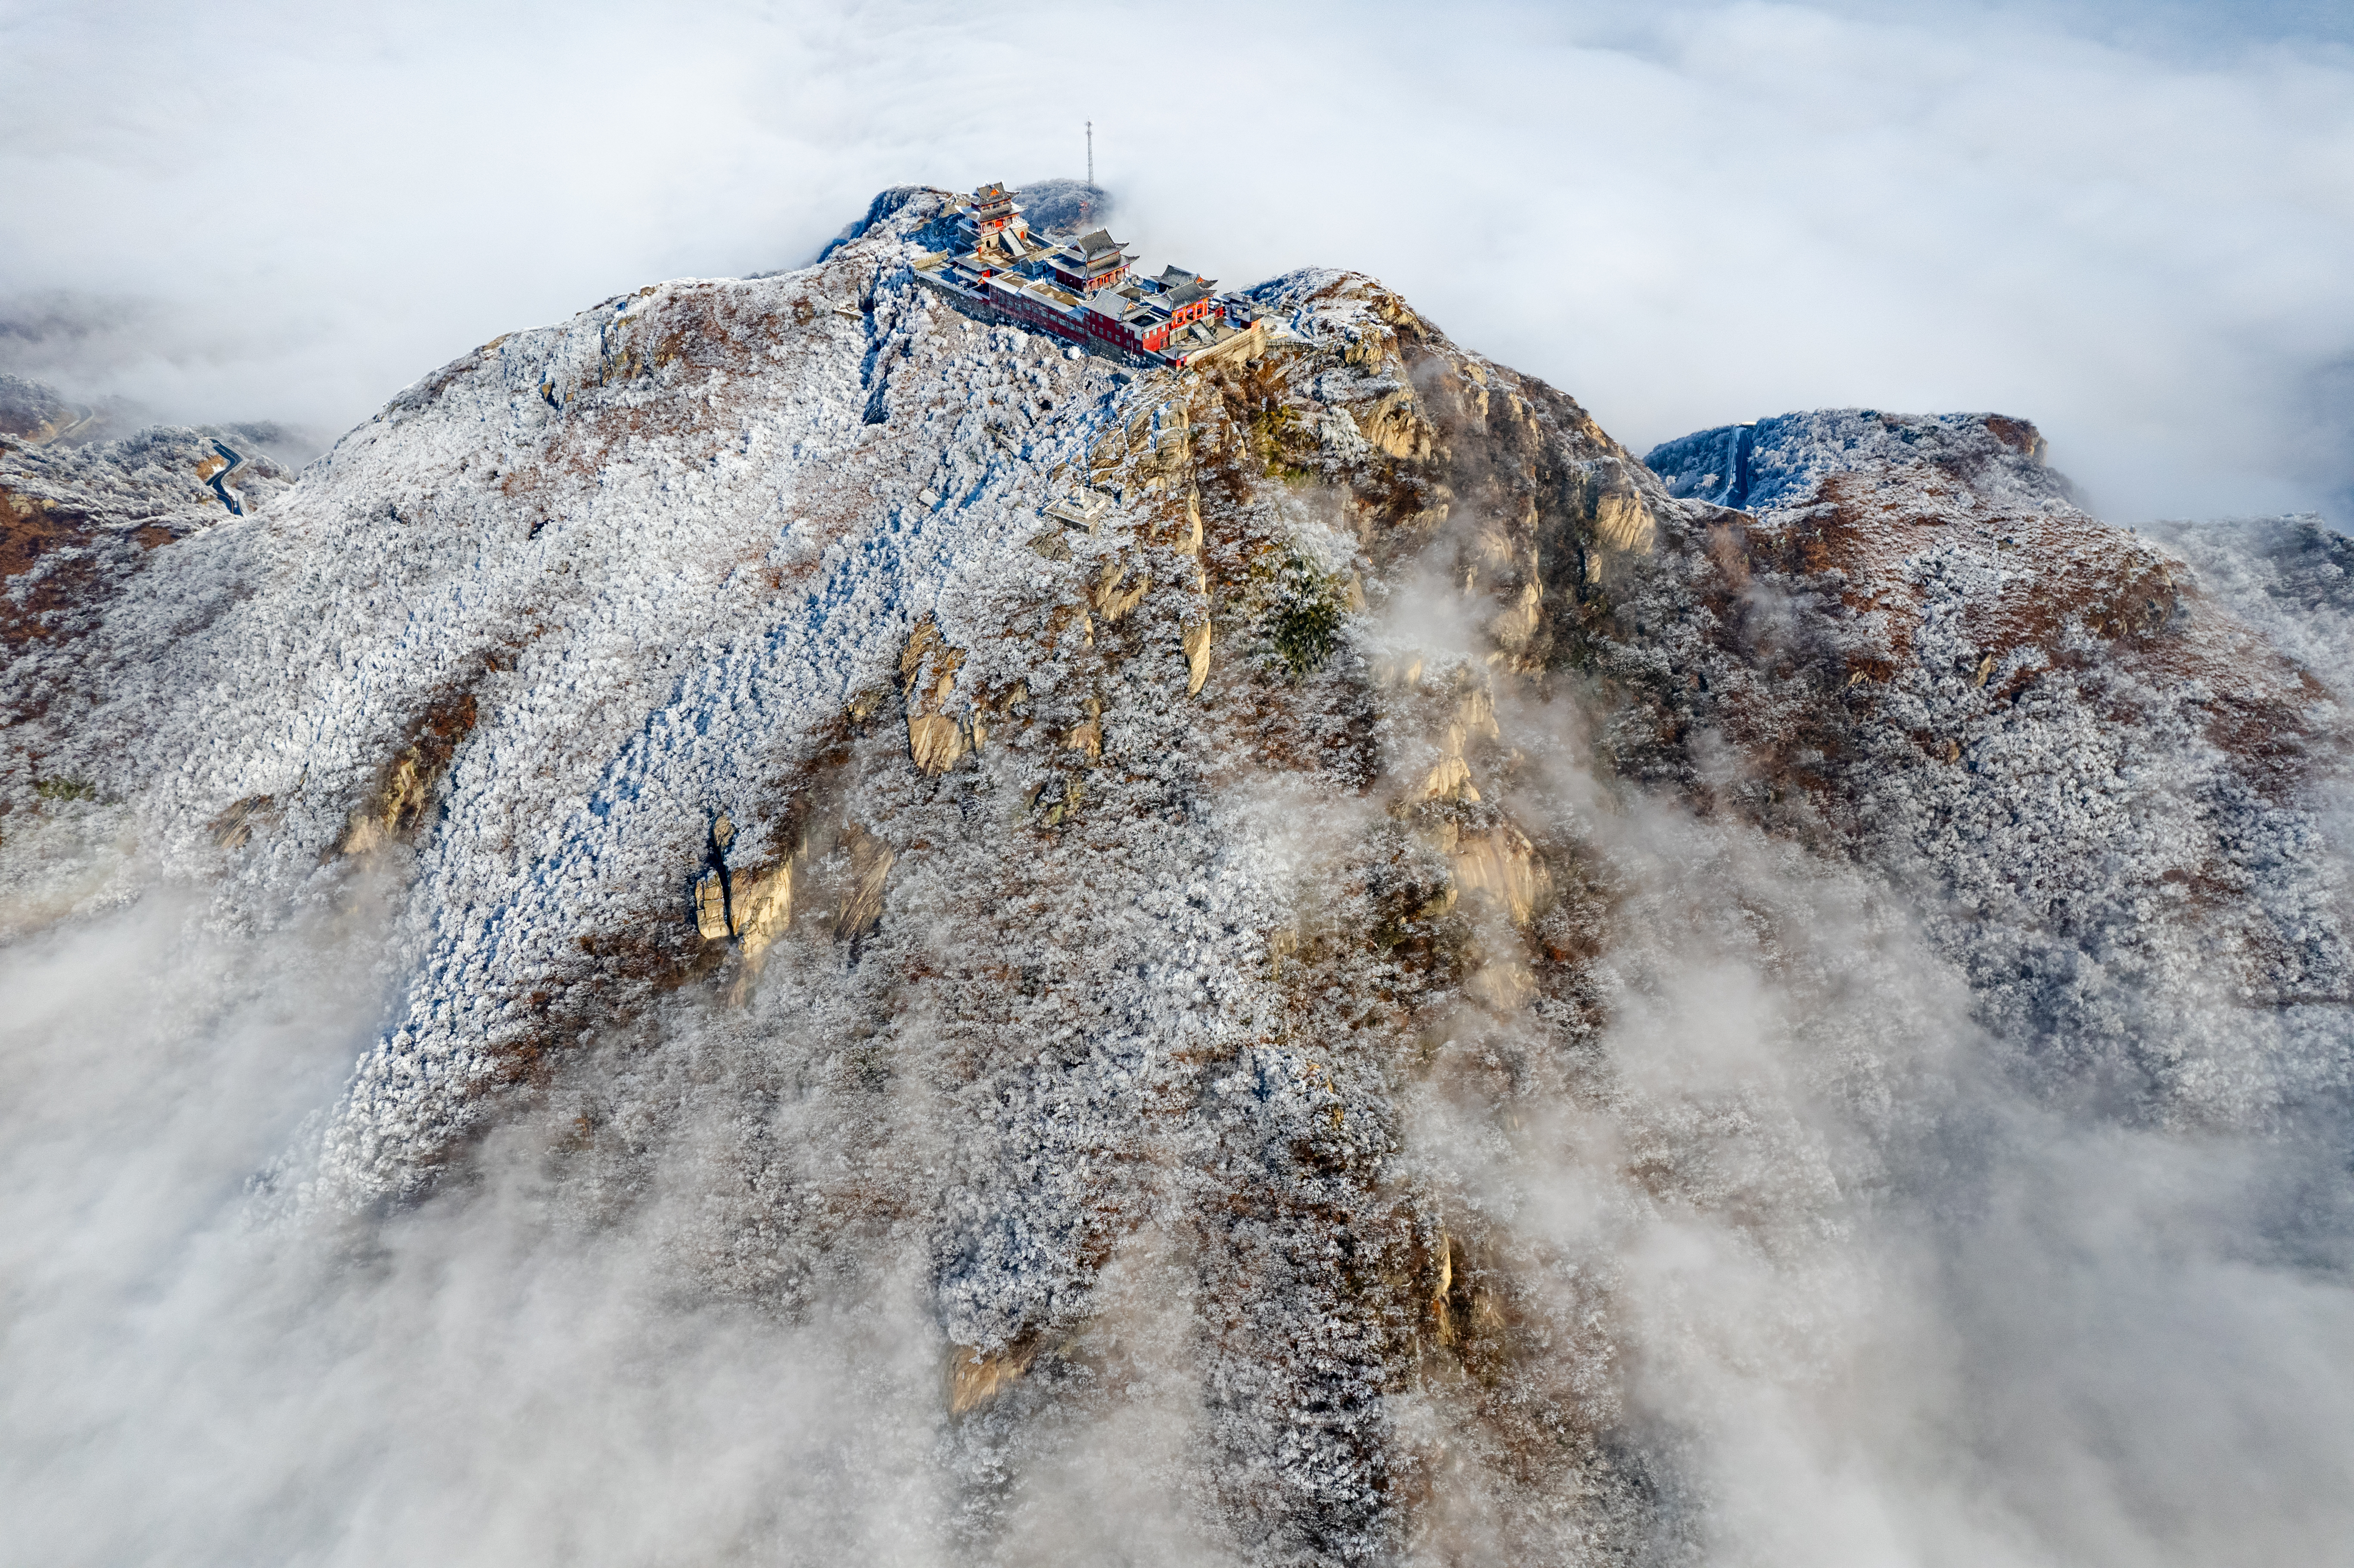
1136,889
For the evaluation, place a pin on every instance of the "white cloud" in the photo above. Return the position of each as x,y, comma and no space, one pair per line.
2128,229
1923,1323
511,1377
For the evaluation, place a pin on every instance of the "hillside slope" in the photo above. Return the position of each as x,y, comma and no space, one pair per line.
1920,648
906,800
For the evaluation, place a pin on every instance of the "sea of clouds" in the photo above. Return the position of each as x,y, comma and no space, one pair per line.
1871,1301
2127,223
1890,1306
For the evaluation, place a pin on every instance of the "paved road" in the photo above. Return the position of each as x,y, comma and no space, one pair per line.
220,489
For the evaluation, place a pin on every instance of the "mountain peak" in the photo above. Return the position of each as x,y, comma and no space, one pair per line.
1099,858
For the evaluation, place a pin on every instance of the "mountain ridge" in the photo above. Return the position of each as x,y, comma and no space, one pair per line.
1190,827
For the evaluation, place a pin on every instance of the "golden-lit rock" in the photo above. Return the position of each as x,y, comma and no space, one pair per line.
1114,597
762,908
711,908
1087,737
761,904
1624,522
1500,865
1196,642
1394,426
934,741
928,670
1449,780
977,1377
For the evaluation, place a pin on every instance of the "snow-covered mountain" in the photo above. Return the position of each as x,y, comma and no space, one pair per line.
2113,779
1273,890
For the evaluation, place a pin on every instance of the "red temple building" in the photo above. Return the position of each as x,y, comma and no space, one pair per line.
994,209
1089,263
1080,288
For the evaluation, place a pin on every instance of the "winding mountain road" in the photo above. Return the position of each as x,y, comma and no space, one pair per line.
229,461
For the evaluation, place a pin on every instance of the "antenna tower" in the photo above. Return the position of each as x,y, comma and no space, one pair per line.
1091,155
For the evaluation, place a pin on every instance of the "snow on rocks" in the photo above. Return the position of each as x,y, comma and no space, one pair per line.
1915,636
1053,825
1028,934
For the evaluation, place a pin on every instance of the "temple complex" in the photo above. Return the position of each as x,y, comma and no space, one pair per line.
1081,288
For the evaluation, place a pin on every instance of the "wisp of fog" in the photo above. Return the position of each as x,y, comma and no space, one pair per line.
1873,1301
1845,1277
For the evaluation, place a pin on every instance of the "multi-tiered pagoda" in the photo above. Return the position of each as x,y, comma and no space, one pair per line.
994,209
1081,288
1092,262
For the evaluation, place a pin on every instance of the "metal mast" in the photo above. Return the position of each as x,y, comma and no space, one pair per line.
1091,154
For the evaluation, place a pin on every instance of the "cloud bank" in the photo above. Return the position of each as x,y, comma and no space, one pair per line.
2125,223
1881,1307
1869,1304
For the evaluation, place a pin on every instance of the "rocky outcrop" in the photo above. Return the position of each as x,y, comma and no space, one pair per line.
928,673
402,800
1196,643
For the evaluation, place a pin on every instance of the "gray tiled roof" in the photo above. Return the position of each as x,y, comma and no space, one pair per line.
1106,302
